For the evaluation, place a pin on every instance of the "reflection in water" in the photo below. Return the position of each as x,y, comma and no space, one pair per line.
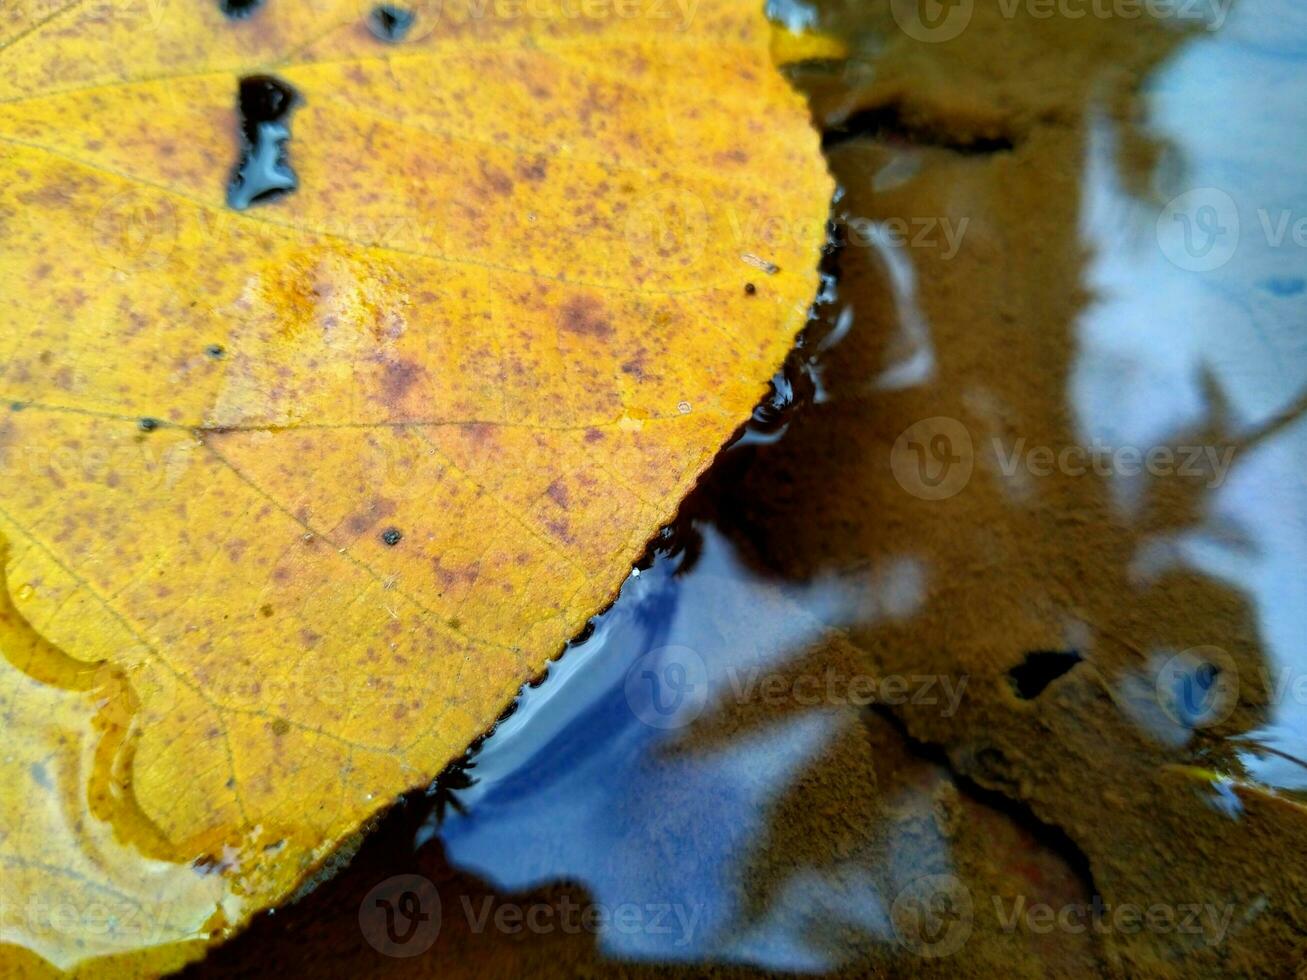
1207,330
916,364
674,828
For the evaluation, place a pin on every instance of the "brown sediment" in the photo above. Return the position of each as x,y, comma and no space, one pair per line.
1010,576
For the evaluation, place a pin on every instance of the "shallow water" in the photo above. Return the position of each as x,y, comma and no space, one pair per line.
1000,617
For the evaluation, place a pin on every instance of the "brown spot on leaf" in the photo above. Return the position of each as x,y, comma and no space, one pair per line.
585,315
397,378
535,171
499,181
558,493
559,528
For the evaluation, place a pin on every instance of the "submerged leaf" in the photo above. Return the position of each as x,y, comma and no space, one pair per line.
296,497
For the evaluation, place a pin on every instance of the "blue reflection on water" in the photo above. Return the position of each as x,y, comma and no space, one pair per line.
581,784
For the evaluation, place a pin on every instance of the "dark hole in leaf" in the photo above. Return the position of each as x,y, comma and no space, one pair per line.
239,9
390,23
1039,669
263,171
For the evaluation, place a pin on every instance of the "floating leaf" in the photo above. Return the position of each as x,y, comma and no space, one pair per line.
296,497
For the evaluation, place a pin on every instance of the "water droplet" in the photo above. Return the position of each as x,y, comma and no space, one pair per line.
390,23
239,9
263,172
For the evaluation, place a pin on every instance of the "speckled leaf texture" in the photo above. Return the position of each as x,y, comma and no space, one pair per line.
296,497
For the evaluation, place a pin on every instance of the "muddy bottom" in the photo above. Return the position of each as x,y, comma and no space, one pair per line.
981,650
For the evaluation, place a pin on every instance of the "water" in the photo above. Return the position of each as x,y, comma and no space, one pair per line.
264,171
239,9
390,23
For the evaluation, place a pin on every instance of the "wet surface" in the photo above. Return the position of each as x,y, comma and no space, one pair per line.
390,23
239,9
981,650
263,173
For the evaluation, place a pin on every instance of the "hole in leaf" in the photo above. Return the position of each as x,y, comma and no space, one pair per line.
239,9
263,172
390,23
1039,669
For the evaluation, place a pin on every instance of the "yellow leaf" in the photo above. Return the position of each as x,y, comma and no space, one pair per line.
790,46
295,497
